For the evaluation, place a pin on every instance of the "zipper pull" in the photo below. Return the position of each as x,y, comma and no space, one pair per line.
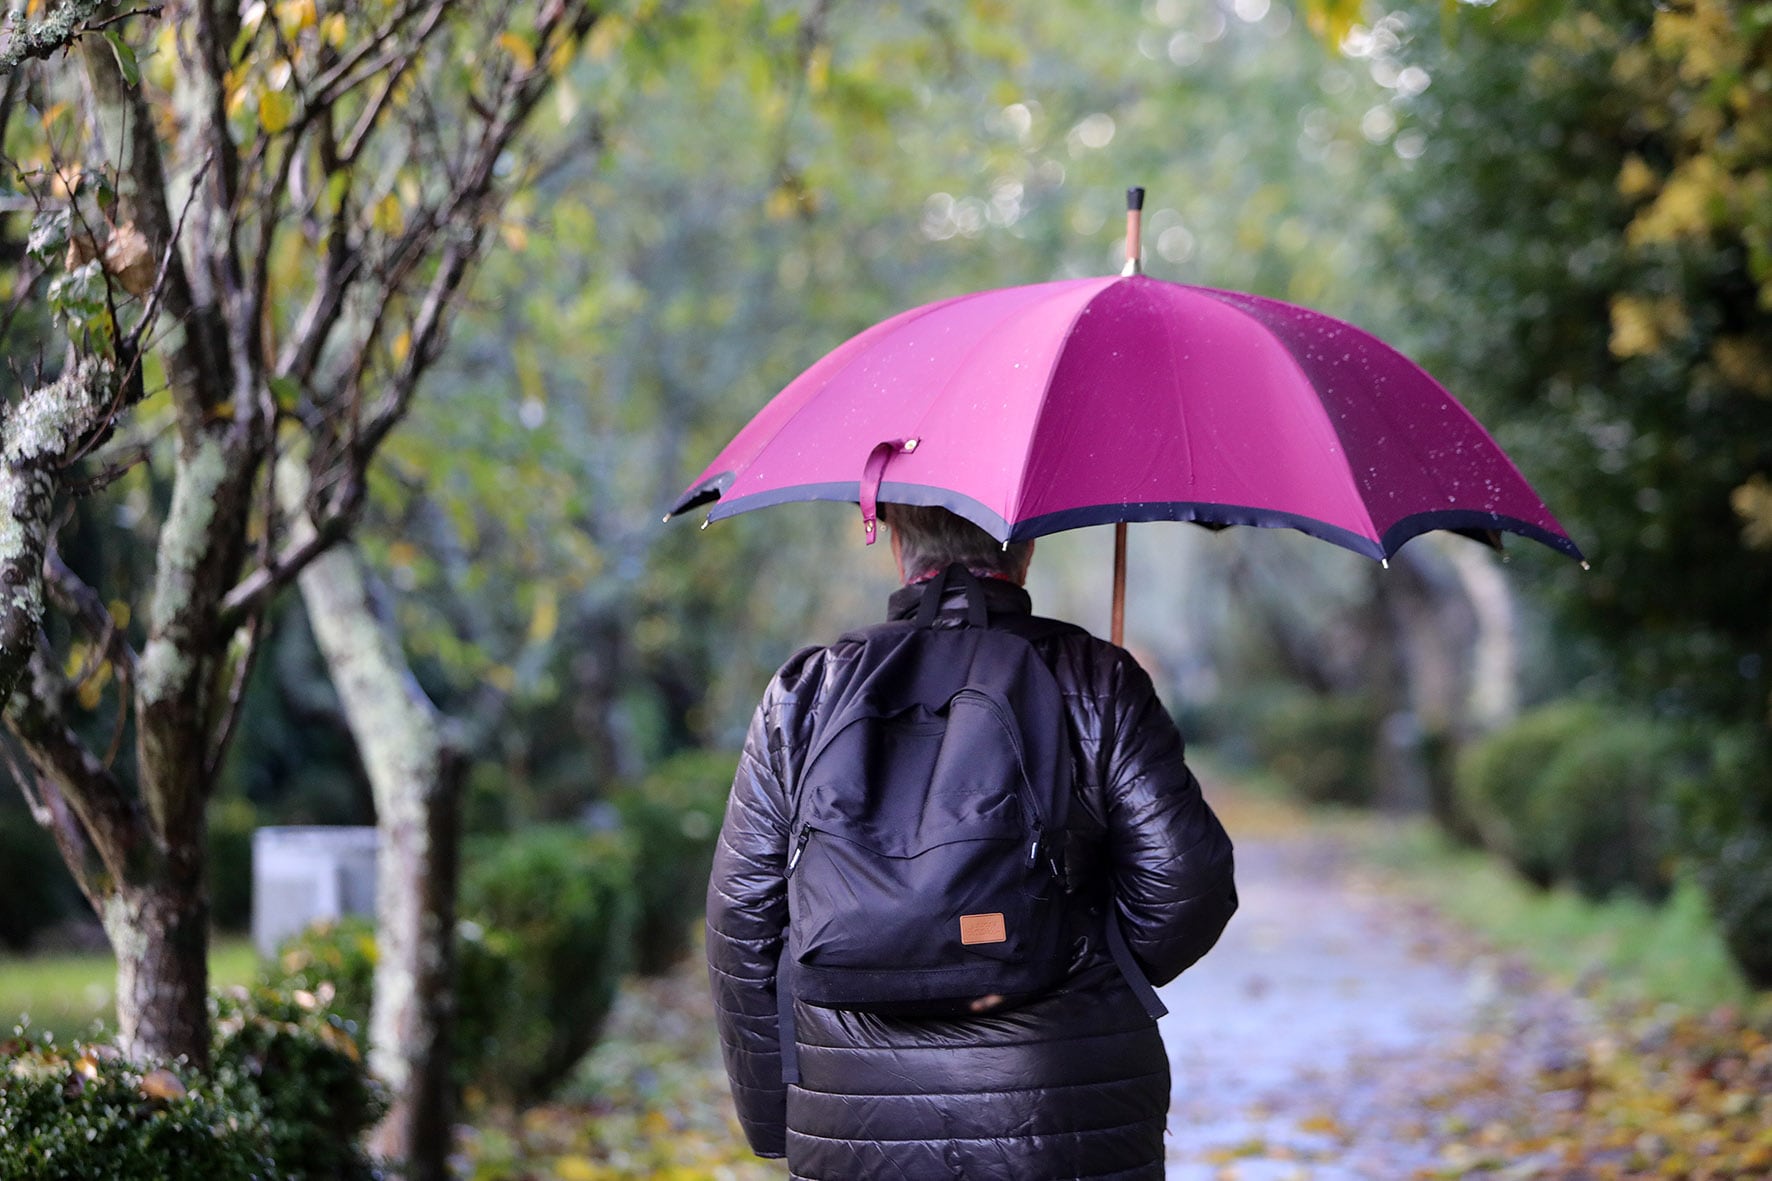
799,847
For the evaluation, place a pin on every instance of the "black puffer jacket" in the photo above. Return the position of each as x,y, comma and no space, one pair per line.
1075,1084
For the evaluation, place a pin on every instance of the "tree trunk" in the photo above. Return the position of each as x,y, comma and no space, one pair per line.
1433,625
160,933
415,772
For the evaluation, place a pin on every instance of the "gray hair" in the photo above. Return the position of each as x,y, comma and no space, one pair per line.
933,538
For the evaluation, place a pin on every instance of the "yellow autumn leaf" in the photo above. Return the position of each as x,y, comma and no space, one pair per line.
546,617
402,345
515,235
92,689
388,217
1752,502
607,36
578,1168
333,30
295,15
818,69
162,1084
276,110
77,656
519,49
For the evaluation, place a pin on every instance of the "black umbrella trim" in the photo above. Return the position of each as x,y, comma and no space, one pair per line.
1469,522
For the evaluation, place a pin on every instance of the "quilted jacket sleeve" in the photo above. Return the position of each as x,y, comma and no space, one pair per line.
747,914
1171,858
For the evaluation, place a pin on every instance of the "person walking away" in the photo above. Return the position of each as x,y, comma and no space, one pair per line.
1070,1083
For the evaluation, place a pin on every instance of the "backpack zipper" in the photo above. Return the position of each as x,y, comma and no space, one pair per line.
799,847
1024,788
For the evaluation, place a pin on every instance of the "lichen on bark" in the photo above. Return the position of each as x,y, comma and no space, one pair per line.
38,437
166,664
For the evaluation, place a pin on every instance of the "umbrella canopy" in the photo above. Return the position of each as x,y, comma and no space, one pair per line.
1034,409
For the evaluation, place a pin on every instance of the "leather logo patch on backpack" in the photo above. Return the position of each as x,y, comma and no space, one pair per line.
983,928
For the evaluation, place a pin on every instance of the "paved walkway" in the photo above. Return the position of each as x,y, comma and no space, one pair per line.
1307,1046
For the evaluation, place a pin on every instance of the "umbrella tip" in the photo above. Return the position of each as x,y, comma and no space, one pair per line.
1584,565
1385,563
1135,198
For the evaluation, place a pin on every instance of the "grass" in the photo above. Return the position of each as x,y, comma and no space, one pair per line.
1622,947
71,994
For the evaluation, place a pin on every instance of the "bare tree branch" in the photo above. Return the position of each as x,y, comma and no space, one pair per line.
357,67
196,356
110,817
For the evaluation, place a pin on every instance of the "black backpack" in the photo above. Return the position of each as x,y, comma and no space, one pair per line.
927,849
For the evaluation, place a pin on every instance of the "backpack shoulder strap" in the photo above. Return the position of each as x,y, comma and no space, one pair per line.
956,575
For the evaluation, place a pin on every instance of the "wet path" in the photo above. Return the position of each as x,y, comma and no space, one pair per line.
1307,1046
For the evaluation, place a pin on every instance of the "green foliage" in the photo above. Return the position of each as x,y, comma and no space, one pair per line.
302,1065
1577,792
1626,947
331,957
674,815
1602,805
1576,262
287,1096
1321,746
567,900
547,927
1498,780
35,889
336,958
84,1112
1726,814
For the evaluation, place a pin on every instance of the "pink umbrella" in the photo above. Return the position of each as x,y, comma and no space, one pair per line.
1034,409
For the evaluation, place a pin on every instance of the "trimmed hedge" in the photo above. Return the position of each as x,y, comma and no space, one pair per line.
1322,747
567,901
1578,792
1497,784
545,937
674,814
1725,812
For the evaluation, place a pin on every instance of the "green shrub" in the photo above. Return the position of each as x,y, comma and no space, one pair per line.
339,955
1601,805
334,956
302,1064
288,1097
1498,778
1725,813
567,901
83,1112
674,816
36,890
546,933
1578,792
1321,746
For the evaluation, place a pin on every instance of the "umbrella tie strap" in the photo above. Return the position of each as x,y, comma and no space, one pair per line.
872,473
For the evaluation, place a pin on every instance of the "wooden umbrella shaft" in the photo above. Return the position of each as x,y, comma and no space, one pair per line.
1134,218
1119,623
